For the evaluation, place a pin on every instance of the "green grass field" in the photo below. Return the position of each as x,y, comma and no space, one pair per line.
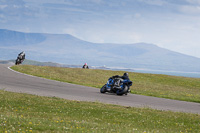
24,113
171,87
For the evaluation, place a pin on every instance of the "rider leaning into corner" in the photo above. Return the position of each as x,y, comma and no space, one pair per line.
125,76
117,84
21,55
20,58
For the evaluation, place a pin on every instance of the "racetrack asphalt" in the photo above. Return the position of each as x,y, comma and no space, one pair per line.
18,82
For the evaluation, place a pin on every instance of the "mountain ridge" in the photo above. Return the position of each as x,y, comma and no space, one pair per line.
67,49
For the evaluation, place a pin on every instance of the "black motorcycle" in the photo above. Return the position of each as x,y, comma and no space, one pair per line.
117,85
19,60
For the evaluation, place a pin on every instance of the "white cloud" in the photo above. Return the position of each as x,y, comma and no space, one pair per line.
194,1
70,31
154,2
81,2
16,6
2,18
110,36
95,1
190,9
137,15
3,6
130,17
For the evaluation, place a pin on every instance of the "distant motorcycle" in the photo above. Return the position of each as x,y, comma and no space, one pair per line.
19,60
117,85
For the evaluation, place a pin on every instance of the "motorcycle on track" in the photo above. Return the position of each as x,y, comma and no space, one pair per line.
20,58
117,85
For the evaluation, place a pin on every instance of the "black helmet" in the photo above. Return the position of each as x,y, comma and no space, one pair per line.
125,74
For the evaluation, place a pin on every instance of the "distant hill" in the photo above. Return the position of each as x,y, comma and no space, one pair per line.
6,62
37,63
66,49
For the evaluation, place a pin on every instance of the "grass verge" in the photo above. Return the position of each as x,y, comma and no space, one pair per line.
30,113
157,85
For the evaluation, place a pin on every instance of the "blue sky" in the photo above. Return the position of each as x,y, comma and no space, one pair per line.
171,24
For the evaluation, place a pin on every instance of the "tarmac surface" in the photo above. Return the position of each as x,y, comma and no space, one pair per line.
17,82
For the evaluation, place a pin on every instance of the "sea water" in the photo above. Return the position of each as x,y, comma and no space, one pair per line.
174,73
